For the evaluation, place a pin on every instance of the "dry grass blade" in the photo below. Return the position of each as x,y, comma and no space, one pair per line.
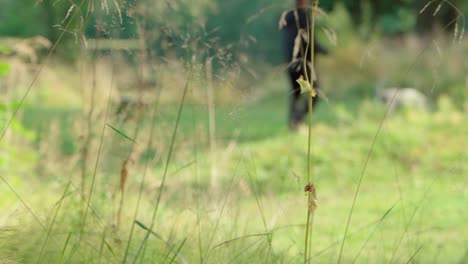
455,31
119,12
124,175
425,6
68,13
125,169
460,15
462,33
259,13
438,8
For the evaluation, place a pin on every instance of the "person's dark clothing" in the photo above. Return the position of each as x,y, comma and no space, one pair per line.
295,25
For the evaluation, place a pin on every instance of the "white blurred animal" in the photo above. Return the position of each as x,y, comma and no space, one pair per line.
402,98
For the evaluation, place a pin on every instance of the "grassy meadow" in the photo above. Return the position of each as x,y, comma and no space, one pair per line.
170,184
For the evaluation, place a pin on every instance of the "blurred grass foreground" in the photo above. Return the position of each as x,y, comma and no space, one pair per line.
156,132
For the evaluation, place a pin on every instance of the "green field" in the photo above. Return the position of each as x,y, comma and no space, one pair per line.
81,184
411,205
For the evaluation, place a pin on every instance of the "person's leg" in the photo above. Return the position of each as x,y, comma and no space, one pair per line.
295,94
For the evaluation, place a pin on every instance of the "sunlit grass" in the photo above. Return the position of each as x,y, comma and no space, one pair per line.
418,170
411,203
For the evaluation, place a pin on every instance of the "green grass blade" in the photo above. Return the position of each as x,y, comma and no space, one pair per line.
414,254
40,69
240,238
121,133
109,247
143,180
177,251
168,160
49,230
373,231
98,159
60,261
215,229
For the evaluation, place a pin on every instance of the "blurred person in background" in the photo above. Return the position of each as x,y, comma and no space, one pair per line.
295,26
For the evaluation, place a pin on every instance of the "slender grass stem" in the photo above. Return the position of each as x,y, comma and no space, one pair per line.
310,193
53,222
149,146
98,159
168,160
374,140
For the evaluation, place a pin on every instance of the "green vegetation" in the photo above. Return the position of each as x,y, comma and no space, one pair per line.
82,183
240,27
417,170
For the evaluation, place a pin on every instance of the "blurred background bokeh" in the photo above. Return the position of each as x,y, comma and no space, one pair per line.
90,93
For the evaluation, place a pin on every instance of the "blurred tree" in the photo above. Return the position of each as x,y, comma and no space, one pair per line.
50,19
20,18
234,27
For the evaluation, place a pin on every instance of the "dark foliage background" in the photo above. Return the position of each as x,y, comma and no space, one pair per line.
244,26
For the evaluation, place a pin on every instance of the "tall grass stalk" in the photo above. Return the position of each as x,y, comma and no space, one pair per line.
62,254
130,160
168,246
245,250
377,133
49,230
269,234
360,230
143,70
211,119
38,72
310,189
149,147
88,119
21,103
96,165
414,254
166,166
101,246
410,220
373,231
196,172
177,251
223,206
